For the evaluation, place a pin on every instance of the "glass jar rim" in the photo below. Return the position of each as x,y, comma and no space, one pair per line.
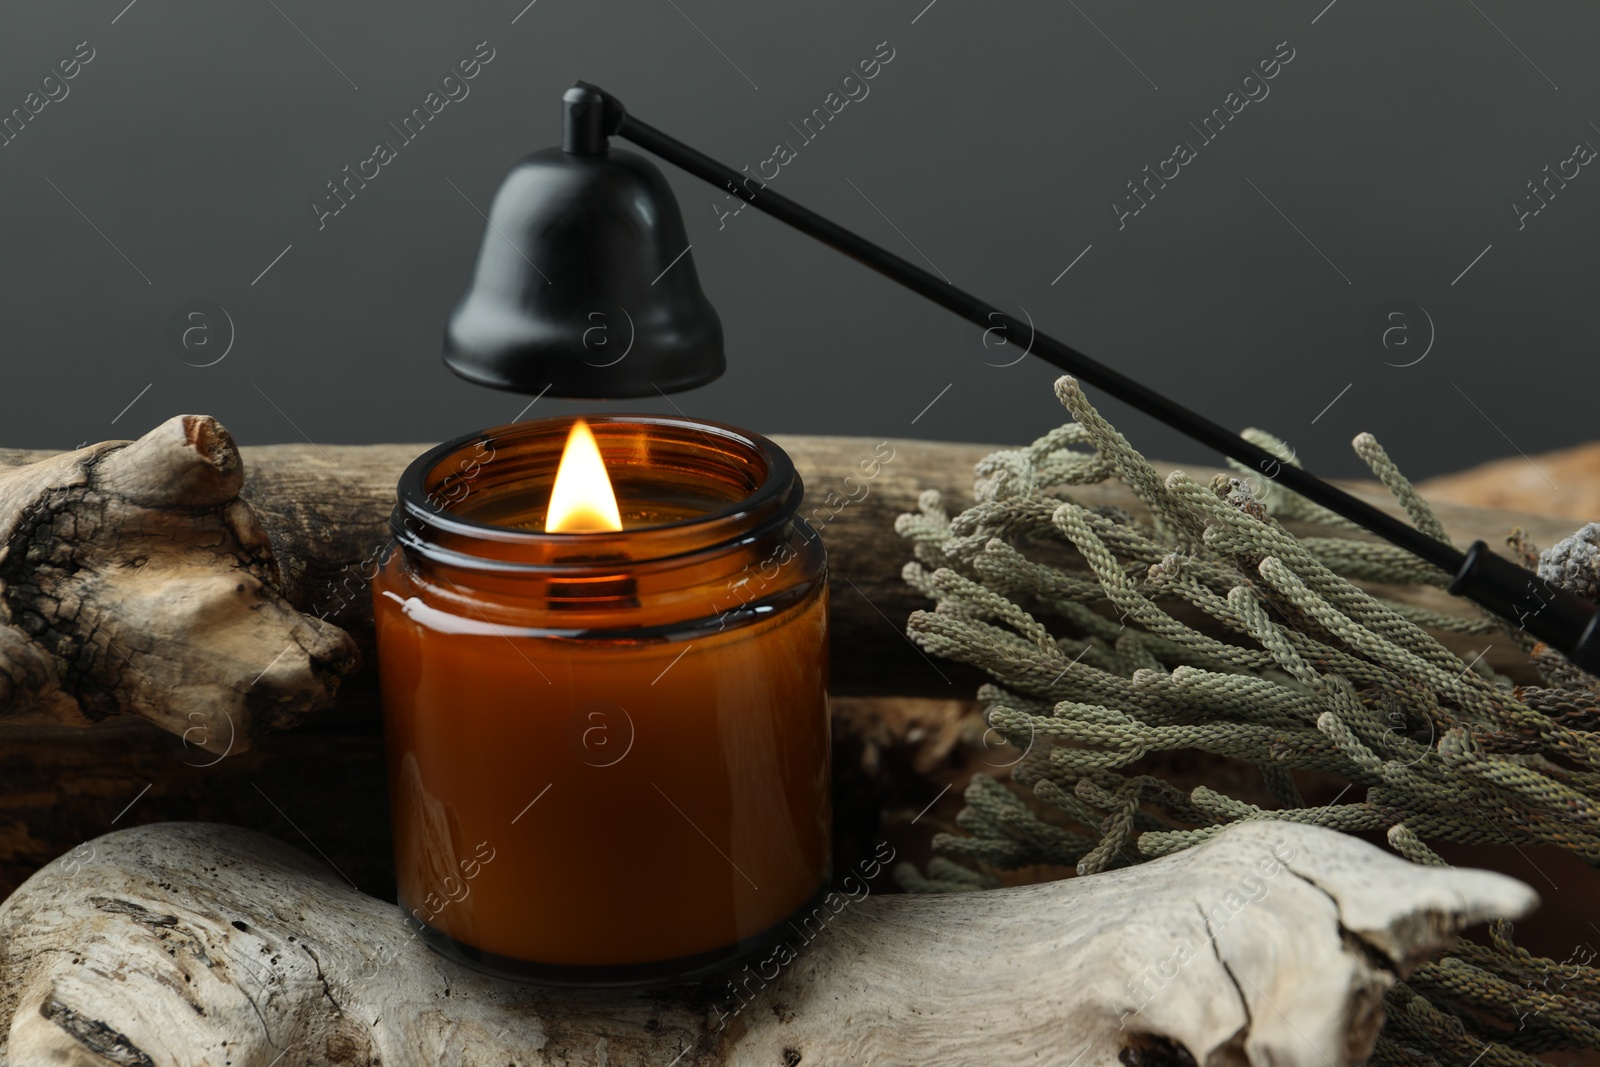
776,497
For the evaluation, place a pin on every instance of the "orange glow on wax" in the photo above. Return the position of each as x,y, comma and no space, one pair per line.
582,500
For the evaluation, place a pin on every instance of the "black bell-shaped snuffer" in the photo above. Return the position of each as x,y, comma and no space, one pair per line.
585,286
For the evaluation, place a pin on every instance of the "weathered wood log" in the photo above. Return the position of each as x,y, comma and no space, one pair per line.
134,581
186,943
326,508
325,511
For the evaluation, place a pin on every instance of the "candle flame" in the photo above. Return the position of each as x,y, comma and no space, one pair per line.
582,500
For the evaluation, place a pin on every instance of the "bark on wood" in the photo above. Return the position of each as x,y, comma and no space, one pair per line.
134,581
190,943
135,549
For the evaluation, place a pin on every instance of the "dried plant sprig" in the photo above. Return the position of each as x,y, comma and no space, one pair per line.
1083,616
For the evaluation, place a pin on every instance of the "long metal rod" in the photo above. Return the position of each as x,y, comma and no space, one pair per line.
1114,383
1568,622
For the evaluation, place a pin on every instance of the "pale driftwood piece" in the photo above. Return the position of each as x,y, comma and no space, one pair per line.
134,581
193,943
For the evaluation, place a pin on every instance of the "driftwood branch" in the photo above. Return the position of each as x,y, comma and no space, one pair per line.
326,510
190,943
145,578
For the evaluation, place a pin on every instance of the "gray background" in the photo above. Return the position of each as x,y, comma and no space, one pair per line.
1392,148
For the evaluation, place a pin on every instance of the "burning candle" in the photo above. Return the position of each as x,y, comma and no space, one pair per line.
603,659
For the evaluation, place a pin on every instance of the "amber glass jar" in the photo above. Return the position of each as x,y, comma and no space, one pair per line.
608,752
